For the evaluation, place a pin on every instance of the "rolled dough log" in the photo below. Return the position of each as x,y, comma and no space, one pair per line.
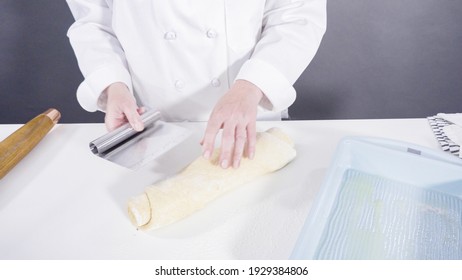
202,181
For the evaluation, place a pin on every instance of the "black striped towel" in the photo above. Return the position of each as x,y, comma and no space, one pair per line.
438,123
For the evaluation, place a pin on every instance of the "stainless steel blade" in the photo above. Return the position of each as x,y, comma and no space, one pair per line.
129,148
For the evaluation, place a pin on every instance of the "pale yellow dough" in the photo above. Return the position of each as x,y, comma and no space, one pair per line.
202,181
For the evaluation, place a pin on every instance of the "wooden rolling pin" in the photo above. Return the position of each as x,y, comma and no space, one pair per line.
16,146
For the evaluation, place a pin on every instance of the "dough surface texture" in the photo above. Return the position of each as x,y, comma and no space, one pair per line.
204,180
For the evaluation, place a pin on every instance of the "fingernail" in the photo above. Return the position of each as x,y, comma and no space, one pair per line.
236,163
206,154
252,155
138,127
224,164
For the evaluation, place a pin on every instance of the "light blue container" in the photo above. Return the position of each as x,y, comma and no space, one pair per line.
384,199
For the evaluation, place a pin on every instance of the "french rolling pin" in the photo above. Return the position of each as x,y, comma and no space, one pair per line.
16,146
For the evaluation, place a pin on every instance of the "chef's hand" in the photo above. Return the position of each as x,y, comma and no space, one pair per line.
236,114
120,106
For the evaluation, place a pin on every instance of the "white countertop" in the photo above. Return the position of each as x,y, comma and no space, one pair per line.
63,202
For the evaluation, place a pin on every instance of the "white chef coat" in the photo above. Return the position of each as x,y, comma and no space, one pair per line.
181,56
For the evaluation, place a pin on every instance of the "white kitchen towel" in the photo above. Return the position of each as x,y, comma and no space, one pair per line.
453,118
448,131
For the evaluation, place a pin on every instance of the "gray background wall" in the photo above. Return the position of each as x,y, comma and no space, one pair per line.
378,59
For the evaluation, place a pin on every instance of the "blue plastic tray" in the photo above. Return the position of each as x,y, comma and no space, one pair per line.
384,199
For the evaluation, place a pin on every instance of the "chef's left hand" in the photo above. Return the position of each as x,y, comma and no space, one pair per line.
236,114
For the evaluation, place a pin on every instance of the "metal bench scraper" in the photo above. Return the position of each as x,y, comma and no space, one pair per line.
132,149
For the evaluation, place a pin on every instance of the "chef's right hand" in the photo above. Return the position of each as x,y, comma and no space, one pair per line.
120,106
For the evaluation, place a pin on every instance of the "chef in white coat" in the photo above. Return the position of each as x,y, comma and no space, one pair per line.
228,62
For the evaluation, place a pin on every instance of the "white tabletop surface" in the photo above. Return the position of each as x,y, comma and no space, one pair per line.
63,202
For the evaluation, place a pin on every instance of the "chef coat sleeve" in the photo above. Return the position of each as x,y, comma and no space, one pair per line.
99,54
291,34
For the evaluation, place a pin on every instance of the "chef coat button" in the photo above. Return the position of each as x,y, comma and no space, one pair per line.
179,84
215,82
211,33
170,35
